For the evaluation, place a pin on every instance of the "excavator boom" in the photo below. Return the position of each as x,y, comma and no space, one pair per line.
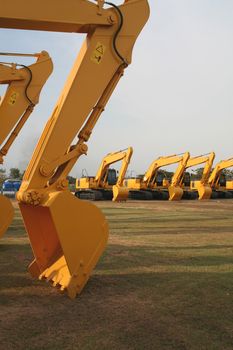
21,96
175,191
151,173
68,235
120,192
215,175
95,187
219,188
146,188
201,186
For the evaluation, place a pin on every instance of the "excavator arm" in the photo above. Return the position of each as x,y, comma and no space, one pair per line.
120,192
145,188
24,84
67,235
201,185
22,94
111,158
175,191
150,175
215,175
100,181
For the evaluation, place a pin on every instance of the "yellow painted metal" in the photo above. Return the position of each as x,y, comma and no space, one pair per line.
204,190
175,191
229,185
68,236
65,250
24,86
120,192
214,178
6,214
22,94
100,181
202,185
148,182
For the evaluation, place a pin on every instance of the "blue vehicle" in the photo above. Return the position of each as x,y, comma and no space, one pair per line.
10,187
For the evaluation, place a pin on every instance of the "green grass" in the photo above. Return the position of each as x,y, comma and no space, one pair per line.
165,281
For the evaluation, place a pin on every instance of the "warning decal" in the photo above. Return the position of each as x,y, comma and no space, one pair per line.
13,97
98,53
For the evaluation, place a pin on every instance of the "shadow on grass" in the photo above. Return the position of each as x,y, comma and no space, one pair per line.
118,257
128,311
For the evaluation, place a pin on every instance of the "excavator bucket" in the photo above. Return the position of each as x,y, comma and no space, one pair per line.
67,236
120,194
175,193
6,214
204,191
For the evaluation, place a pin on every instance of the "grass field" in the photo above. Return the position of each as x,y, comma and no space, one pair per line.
164,282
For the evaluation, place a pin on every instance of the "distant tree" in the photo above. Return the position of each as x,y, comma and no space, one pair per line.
71,179
197,174
228,174
165,174
15,173
22,174
2,176
72,183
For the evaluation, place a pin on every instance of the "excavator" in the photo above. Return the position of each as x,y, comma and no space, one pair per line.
105,185
190,188
68,235
24,84
146,187
220,188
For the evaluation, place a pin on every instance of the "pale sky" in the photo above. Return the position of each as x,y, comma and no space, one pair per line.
175,97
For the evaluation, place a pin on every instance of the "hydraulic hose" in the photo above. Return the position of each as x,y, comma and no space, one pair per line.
28,83
121,17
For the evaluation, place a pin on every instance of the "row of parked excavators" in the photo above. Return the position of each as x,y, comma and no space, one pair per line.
154,185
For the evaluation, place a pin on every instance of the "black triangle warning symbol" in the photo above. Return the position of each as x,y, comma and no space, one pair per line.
100,49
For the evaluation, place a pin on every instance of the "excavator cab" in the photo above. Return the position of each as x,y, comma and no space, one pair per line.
112,177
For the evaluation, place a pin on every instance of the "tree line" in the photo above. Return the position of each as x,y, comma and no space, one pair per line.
16,174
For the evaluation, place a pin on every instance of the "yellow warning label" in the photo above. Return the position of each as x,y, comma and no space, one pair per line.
13,97
98,53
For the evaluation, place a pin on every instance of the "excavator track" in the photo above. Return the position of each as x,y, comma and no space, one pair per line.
222,195
141,195
95,195
190,195
160,195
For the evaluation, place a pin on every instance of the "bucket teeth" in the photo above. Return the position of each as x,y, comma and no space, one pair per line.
60,277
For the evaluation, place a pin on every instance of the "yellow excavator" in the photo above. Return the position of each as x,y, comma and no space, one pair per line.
190,189
106,185
220,188
146,187
24,84
68,235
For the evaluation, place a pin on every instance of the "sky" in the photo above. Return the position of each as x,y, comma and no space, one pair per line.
175,97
